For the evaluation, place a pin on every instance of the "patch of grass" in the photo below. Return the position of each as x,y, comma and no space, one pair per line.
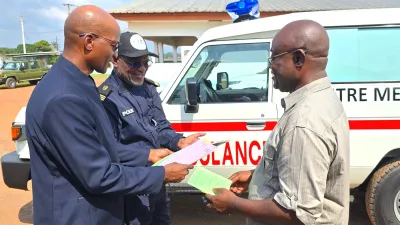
99,76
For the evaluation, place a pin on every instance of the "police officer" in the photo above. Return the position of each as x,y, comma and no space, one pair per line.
77,176
134,108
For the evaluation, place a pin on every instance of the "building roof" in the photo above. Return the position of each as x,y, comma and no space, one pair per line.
180,6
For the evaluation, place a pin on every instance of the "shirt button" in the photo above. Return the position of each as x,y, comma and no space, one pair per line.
295,198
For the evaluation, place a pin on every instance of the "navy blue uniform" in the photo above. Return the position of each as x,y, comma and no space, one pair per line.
138,120
77,177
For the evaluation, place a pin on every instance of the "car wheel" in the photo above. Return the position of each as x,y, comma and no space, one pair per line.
382,198
33,82
11,82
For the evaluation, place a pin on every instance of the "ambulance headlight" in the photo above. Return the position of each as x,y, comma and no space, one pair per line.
243,10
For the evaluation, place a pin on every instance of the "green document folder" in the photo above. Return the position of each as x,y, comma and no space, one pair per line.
205,180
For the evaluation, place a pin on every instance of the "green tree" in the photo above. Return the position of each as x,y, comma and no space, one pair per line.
53,59
168,55
40,46
8,50
43,46
29,48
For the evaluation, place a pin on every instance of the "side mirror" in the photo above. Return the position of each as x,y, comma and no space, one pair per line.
21,68
191,95
222,80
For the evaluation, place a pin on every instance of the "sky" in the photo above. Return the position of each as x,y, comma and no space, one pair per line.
44,20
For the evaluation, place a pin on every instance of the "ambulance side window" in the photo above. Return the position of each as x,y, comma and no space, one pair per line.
364,55
228,73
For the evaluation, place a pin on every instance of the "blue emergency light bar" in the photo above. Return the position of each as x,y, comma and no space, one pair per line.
243,10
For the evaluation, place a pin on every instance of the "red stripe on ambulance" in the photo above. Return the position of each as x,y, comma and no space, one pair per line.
249,152
374,124
241,126
216,126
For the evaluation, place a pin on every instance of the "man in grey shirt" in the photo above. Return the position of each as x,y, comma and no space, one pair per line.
302,177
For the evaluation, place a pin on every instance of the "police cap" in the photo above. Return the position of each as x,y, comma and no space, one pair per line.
132,45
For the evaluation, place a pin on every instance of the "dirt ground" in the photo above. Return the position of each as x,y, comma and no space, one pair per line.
16,205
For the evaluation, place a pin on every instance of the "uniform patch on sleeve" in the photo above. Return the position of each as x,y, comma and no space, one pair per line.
104,91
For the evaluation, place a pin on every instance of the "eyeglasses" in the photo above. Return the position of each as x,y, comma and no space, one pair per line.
275,57
137,65
113,44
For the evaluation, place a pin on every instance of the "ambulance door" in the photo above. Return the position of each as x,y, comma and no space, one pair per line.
233,102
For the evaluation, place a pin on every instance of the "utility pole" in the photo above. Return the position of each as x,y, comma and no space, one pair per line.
23,33
68,6
57,44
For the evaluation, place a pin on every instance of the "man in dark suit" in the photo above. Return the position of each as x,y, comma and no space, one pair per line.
77,176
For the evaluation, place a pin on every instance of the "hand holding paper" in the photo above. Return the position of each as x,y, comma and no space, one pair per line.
216,188
189,154
175,172
184,142
205,180
158,154
240,181
223,200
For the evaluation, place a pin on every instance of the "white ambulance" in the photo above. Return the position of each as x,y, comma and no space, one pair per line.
223,89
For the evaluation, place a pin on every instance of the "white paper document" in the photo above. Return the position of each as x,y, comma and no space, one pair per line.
189,154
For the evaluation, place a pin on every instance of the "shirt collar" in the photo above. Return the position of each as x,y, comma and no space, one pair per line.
315,86
74,71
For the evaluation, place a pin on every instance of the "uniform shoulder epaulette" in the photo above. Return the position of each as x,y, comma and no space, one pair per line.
104,91
152,82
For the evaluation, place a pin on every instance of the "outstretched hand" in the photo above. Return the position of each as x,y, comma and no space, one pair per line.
222,201
240,181
158,154
183,142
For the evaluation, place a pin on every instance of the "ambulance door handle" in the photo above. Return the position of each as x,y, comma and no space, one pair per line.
255,125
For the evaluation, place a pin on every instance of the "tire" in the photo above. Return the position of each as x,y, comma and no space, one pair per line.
11,82
382,198
33,82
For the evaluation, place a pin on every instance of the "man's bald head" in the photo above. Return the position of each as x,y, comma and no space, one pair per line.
89,18
91,38
299,54
305,34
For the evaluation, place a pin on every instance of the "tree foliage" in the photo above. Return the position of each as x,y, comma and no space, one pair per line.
40,46
53,59
43,46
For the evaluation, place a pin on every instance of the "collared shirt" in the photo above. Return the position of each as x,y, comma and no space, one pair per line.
305,163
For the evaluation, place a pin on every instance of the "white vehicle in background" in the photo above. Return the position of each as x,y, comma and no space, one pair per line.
163,73
223,89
